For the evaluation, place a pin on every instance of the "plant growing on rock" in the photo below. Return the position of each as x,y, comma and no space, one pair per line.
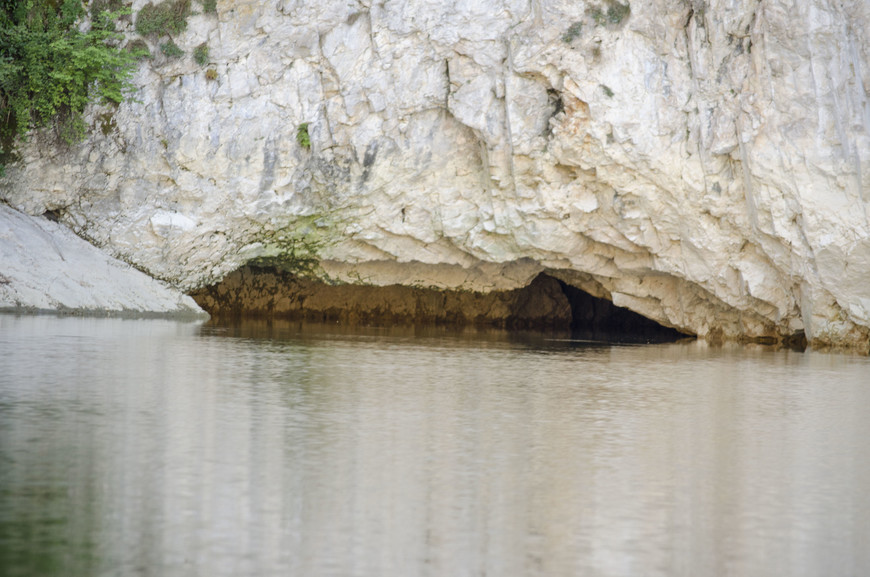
169,17
200,54
171,50
572,32
302,136
209,6
615,13
50,70
139,49
104,13
295,254
97,7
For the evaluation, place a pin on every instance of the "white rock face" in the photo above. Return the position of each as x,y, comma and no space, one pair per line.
44,266
705,163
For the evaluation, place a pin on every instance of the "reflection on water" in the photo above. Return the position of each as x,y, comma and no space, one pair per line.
161,448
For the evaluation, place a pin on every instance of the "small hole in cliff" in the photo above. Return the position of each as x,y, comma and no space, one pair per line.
555,101
599,319
557,105
52,215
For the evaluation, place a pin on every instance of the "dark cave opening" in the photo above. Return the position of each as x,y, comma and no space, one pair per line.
599,319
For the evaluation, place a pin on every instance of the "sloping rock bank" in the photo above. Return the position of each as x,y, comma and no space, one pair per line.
45,267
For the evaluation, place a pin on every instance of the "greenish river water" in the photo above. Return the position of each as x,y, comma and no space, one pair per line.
152,447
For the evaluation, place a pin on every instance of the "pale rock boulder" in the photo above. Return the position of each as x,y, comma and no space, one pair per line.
705,163
44,266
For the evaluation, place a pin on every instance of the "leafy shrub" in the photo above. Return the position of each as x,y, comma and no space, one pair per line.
200,54
99,6
170,17
50,70
302,136
71,128
171,50
105,12
139,49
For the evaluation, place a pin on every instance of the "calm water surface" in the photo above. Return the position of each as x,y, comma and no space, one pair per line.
148,447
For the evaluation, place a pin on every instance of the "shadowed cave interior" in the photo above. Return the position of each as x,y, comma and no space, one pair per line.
545,304
600,319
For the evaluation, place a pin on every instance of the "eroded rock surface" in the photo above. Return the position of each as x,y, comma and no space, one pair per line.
703,163
254,292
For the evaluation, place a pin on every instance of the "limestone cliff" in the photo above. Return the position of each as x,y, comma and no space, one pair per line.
701,162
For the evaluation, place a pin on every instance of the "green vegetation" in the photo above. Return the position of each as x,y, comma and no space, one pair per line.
297,247
50,70
169,17
302,136
200,54
607,91
139,49
171,50
104,11
616,12
107,123
572,32
295,256
294,249
597,15
209,6
97,7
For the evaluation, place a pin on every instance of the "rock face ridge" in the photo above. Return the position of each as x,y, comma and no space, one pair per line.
703,163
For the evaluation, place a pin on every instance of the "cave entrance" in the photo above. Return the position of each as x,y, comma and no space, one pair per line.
599,319
546,303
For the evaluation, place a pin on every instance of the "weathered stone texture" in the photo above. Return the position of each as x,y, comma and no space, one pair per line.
251,292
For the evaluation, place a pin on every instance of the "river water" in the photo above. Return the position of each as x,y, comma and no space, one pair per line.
154,447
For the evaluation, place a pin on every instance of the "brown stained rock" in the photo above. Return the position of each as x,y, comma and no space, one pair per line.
260,293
